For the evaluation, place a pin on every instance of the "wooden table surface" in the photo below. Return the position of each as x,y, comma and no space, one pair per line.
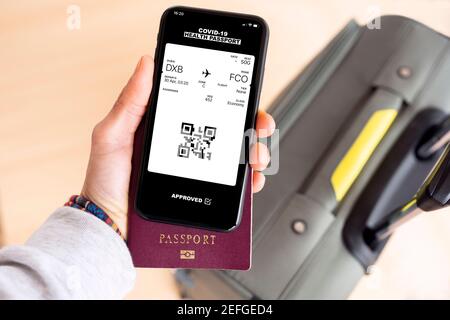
57,83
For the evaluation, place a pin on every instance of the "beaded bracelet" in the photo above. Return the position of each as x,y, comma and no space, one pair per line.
80,202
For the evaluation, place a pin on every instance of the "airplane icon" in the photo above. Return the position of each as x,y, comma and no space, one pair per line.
206,73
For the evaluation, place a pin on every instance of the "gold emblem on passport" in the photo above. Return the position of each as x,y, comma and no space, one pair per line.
187,254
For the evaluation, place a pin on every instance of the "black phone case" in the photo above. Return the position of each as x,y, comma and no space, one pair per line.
150,114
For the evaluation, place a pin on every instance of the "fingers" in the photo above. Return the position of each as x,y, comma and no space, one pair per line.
265,125
130,107
259,156
259,153
258,181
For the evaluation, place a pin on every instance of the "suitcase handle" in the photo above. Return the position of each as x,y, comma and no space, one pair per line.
433,195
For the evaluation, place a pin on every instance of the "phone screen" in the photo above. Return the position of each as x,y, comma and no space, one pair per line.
208,70
200,114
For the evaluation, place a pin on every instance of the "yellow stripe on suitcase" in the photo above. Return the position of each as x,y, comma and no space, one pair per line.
361,150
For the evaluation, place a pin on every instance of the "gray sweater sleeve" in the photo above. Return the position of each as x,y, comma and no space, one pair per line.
73,255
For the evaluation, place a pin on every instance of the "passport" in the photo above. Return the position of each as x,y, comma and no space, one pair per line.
162,245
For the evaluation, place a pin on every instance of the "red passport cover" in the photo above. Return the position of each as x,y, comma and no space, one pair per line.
161,245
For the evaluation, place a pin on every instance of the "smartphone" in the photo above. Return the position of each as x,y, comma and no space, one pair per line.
207,81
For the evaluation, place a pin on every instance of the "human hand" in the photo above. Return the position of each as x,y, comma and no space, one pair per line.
109,169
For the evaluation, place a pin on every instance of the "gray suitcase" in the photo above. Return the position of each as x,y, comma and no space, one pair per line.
350,125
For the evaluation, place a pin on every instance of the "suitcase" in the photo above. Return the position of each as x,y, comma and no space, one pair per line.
350,125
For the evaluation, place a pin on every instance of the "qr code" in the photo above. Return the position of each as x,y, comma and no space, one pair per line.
197,142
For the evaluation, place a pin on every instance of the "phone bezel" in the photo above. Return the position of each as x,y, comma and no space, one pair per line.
235,198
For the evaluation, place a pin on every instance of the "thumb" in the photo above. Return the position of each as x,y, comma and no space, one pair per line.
129,108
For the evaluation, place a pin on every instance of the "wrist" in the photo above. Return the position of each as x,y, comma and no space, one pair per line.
117,211
86,204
